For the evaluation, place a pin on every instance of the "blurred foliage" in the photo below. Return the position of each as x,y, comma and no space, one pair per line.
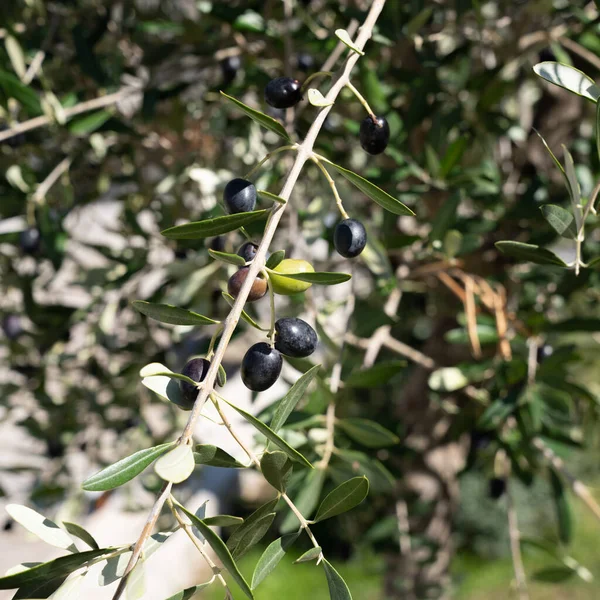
456,85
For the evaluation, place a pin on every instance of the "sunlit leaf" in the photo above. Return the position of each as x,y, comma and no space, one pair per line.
568,77
84,535
318,278
232,259
345,38
47,530
276,468
271,557
176,465
338,589
310,555
206,454
343,498
213,227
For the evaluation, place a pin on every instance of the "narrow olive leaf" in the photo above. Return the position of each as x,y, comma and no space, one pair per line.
317,99
165,313
124,470
306,500
48,531
568,78
159,370
212,227
276,468
530,252
79,532
343,498
253,535
220,549
89,123
368,433
232,259
320,278
376,375
309,555
275,259
176,465
221,376
595,262
249,522
574,186
223,521
287,404
190,592
447,379
560,220
54,569
165,384
136,582
553,574
598,128
272,436
271,557
114,569
260,118
345,38
338,589
245,316
22,93
563,510
271,197
372,191
206,454
70,589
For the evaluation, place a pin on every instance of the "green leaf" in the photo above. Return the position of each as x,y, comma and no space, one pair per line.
317,99
530,252
368,433
271,197
573,186
372,191
190,592
220,549
343,498
271,557
444,217
48,531
276,468
598,127
232,259
260,118
553,574
253,534
165,313
79,532
52,570
275,259
176,465
568,78
159,370
560,220
249,522
309,555
124,470
272,436
338,589
212,227
221,376
22,93
563,510
306,499
165,384
206,454
376,375
453,154
345,38
318,278
89,123
223,521
287,404
245,316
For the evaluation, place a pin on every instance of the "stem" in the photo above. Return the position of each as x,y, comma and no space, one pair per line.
271,334
304,151
213,341
515,547
40,193
267,157
82,107
196,542
336,195
314,76
362,100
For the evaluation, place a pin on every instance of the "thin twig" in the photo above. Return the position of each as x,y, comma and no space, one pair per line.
82,107
383,332
515,545
305,150
336,195
40,193
334,386
362,100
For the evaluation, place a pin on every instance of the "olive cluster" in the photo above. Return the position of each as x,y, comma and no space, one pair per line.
292,337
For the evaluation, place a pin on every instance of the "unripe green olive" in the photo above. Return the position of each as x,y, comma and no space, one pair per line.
286,286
